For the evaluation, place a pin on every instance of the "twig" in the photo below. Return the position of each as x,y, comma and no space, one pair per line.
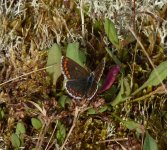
114,140
41,137
42,134
51,135
72,127
26,74
143,97
82,18
145,52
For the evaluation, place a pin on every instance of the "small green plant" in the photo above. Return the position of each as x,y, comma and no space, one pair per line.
61,133
15,141
36,123
149,143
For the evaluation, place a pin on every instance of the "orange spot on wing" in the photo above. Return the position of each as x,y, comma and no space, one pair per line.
68,76
66,69
65,65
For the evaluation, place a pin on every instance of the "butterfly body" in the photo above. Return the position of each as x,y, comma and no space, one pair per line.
80,84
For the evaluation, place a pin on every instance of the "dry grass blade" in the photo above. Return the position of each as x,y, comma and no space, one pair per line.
72,127
47,146
145,52
42,110
26,74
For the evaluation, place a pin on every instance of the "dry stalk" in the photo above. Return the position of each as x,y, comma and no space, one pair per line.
72,127
145,52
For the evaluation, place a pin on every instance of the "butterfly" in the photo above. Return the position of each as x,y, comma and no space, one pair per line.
80,83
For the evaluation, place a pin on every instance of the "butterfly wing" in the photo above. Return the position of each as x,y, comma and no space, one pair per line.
99,71
71,70
92,90
76,88
76,77
78,85
80,88
96,75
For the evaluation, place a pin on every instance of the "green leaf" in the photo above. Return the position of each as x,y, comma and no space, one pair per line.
63,100
61,133
150,143
103,109
54,62
111,32
156,77
91,111
36,123
119,97
15,140
20,128
131,125
75,54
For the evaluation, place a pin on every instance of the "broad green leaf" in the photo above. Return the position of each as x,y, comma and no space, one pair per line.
150,143
91,111
61,133
156,77
103,109
63,100
75,54
36,123
131,125
119,97
111,32
54,62
15,140
20,128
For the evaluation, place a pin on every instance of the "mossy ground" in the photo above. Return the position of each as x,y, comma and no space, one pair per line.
29,28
